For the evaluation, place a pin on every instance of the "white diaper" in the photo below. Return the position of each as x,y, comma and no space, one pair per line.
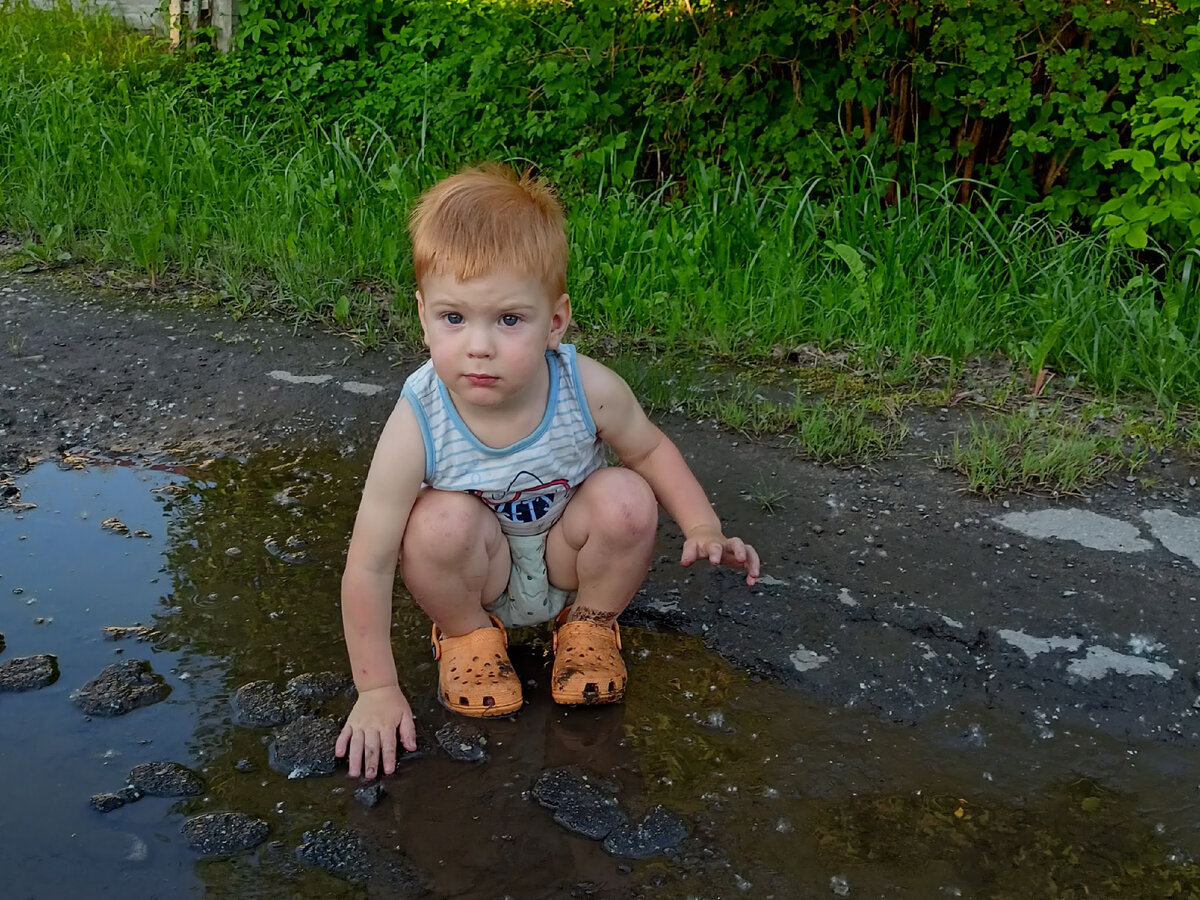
530,598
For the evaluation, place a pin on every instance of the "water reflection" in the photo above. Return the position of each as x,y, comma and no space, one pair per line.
239,579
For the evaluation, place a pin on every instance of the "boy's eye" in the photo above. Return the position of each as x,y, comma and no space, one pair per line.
453,318
509,319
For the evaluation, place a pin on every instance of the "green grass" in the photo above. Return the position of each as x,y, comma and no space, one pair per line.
767,496
840,426
1037,449
14,342
845,434
46,43
826,430
115,154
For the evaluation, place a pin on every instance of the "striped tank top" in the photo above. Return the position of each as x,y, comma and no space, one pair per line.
527,484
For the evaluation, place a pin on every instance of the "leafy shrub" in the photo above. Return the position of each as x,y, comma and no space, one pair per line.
1160,191
1030,96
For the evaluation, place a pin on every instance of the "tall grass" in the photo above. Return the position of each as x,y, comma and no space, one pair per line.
106,155
747,269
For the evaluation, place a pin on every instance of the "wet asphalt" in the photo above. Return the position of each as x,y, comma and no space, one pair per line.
889,589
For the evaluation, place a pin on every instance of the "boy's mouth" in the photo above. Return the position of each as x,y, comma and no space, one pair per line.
481,380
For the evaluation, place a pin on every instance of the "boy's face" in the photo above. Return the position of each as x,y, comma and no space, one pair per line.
488,336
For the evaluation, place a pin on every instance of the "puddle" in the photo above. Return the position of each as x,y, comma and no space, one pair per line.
236,579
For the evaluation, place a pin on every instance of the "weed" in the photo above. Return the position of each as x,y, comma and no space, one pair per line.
1155,432
15,342
660,386
833,431
49,250
1028,450
768,496
1097,411
146,242
742,407
1036,354
842,433
1191,439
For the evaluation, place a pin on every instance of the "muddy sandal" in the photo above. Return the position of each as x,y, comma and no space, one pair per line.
588,668
475,677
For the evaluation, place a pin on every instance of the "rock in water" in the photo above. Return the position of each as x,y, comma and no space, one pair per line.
346,854
462,741
572,784
223,834
321,685
27,673
371,795
120,688
105,803
659,832
582,802
166,779
259,704
590,818
337,850
304,747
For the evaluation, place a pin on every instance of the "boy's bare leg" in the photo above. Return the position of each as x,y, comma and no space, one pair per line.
602,545
454,559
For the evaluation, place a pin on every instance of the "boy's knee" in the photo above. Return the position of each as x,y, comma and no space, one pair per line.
627,506
445,524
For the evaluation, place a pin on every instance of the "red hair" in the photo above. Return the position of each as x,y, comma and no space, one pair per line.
487,218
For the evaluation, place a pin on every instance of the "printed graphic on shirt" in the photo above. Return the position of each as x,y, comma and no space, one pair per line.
527,498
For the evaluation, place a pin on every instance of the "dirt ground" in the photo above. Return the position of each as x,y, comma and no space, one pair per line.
889,589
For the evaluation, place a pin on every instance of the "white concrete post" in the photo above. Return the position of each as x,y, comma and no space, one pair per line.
224,19
184,15
175,21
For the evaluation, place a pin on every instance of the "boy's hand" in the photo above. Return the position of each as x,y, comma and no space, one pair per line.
369,736
721,551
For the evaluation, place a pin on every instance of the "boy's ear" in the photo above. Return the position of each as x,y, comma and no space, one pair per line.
421,317
559,320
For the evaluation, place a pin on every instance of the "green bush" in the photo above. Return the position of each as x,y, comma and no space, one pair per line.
1030,97
1159,192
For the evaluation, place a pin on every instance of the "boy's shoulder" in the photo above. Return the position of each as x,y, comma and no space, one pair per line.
608,395
421,381
592,369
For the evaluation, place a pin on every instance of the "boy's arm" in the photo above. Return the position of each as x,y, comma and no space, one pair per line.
394,479
641,446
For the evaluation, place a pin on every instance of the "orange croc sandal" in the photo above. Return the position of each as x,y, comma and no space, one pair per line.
475,677
588,668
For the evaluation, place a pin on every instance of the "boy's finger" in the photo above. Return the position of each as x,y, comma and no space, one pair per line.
372,756
388,762
750,564
715,552
691,553
343,741
408,733
356,754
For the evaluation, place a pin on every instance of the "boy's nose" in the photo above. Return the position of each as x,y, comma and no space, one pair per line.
479,343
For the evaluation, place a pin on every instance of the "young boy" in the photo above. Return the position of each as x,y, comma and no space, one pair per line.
488,486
